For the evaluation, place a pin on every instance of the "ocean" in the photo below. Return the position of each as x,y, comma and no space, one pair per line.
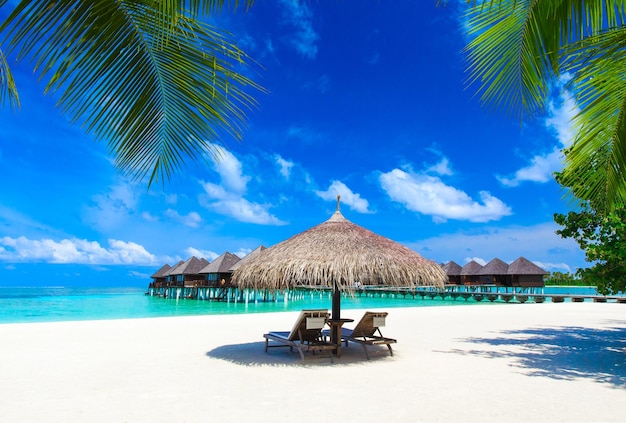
51,304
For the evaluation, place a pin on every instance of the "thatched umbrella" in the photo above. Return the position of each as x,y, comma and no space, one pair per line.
338,254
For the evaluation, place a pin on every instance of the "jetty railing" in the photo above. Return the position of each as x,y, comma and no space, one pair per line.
230,293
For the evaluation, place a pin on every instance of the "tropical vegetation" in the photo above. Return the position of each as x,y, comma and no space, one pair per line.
150,78
563,279
603,238
518,51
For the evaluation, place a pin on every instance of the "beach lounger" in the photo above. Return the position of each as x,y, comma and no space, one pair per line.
306,334
367,332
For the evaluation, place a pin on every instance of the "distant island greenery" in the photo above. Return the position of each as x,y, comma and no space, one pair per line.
564,279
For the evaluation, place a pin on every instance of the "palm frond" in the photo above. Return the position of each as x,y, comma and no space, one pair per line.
8,90
516,46
598,68
155,103
507,58
170,11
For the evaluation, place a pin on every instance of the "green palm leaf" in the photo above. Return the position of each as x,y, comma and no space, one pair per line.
157,90
598,64
517,50
8,91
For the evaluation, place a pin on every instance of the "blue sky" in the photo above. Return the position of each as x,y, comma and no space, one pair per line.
368,101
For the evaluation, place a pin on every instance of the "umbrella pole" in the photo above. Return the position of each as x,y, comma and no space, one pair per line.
336,315
336,302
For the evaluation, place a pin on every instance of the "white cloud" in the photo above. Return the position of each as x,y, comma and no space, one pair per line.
231,204
442,168
538,243
111,209
284,165
352,200
298,16
478,260
305,134
270,46
230,170
541,167
207,254
192,219
14,222
149,217
561,117
227,199
429,195
242,252
78,251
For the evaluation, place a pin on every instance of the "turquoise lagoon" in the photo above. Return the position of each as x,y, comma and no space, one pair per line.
49,304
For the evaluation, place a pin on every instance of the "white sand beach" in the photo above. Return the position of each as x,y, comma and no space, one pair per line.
502,363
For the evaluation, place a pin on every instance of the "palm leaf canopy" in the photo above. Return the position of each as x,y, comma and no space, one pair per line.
148,77
519,48
338,251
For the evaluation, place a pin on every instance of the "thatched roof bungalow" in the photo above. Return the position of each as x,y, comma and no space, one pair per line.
159,278
469,273
494,272
169,275
524,273
453,270
218,271
187,273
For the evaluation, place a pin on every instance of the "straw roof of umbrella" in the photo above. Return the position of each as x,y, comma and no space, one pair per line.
494,267
452,269
338,251
252,254
523,266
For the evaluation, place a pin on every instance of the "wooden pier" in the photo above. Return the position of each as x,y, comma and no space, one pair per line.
477,293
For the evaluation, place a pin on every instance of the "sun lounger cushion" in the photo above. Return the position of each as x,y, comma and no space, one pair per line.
306,334
367,332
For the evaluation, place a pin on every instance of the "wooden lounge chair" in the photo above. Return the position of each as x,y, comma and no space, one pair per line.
365,332
306,334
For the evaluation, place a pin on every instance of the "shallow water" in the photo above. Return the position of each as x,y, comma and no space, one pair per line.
48,304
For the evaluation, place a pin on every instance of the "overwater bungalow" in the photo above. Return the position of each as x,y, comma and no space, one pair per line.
169,278
159,278
218,273
494,273
187,273
522,272
469,273
453,270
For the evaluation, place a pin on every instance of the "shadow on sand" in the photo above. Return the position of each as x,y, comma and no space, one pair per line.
253,354
564,353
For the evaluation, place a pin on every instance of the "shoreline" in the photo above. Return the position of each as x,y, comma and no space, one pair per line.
104,304
505,362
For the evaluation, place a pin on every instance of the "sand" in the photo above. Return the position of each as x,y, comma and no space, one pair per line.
474,363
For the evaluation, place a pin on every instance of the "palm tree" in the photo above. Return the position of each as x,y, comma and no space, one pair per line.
517,50
148,77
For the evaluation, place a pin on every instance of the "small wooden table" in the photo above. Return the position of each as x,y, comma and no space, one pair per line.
335,333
